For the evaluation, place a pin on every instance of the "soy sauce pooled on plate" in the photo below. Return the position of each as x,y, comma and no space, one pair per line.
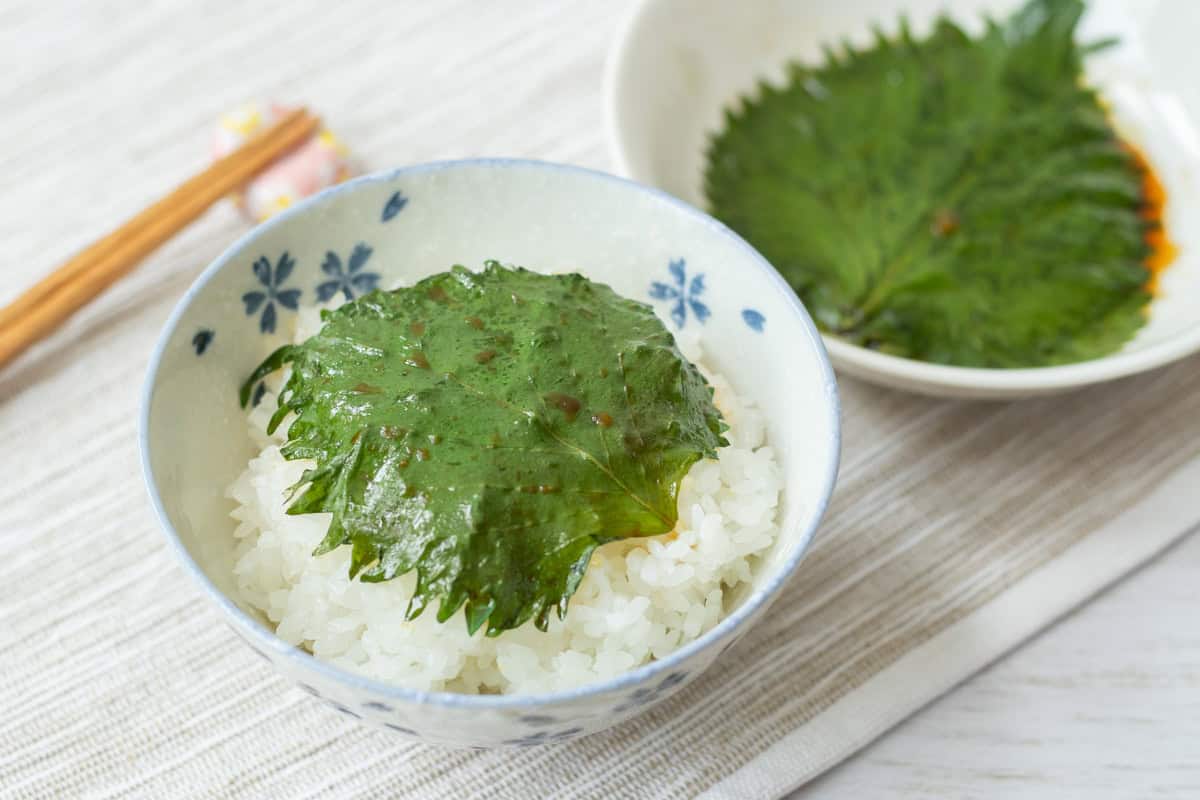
954,199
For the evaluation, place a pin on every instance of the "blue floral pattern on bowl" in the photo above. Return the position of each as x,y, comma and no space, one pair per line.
202,340
538,720
650,694
683,294
754,319
394,205
349,279
272,281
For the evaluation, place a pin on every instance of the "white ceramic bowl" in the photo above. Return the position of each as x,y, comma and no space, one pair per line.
678,63
422,220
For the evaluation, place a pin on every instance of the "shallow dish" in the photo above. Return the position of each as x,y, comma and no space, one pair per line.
676,65
421,220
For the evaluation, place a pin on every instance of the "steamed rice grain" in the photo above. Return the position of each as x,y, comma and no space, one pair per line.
639,600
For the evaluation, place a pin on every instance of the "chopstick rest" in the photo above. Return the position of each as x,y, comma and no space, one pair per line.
317,164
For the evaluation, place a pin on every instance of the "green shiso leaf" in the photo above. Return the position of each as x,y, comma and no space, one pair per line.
952,199
490,430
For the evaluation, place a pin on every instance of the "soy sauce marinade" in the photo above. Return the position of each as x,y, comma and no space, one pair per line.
953,199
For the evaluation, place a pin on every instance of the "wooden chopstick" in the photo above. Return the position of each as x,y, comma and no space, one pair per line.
49,302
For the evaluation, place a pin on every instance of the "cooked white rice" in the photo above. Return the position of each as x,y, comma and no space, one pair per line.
639,600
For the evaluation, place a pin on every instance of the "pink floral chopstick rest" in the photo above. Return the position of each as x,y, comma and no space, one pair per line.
319,163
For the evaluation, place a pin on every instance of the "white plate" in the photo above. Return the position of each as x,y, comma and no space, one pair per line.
677,64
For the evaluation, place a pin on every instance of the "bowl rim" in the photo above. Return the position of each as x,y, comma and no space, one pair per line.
891,370
256,634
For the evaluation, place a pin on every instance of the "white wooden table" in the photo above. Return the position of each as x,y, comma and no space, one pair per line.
106,105
1104,705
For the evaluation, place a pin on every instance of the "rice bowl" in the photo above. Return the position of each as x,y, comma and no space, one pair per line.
195,440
